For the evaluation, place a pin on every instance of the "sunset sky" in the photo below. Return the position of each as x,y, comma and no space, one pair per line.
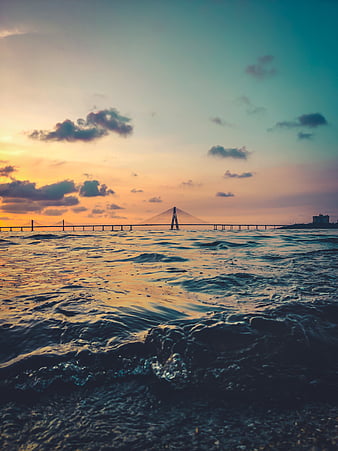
113,111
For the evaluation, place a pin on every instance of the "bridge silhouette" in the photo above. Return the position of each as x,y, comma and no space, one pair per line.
173,217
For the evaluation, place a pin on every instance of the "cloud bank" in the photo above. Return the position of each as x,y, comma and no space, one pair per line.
28,190
23,196
95,126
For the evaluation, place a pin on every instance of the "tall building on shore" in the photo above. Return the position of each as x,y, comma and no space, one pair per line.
321,219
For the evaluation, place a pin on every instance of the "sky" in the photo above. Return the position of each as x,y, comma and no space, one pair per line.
116,110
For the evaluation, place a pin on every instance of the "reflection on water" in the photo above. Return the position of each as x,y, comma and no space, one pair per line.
236,312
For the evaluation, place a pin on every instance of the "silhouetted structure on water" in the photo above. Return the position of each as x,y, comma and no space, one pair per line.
174,220
318,222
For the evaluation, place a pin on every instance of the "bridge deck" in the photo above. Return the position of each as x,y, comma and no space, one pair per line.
119,227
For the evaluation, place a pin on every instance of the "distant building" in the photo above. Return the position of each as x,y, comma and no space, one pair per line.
321,219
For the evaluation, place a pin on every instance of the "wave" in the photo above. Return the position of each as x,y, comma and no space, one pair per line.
52,236
286,352
6,242
223,244
222,282
155,257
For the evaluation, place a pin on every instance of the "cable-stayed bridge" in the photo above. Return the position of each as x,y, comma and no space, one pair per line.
175,218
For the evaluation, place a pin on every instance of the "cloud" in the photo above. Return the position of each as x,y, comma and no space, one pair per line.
217,120
155,199
262,69
54,212
220,151
311,120
13,32
79,209
302,135
67,201
111,120
28,190
114,207
21,207
250,107
96,125
97,211
190,184
23,196
134,190
92,188
221,194
6,171
244,175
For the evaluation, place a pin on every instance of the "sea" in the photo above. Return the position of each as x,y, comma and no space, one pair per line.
157,339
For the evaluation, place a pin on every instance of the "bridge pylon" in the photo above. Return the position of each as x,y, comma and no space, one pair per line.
174,220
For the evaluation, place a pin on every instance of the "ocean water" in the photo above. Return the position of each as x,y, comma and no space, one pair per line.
107,338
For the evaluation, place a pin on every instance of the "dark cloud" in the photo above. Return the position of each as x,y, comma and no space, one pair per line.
23,196
134,190
69,131
14,200
302,135
217,120
155,199
311,120
243,175
21,207
96,125
67,201
262,69
7,171
92,188
221,194
220,151
28,190
114,207
111,120
250,107
79,209
54,212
